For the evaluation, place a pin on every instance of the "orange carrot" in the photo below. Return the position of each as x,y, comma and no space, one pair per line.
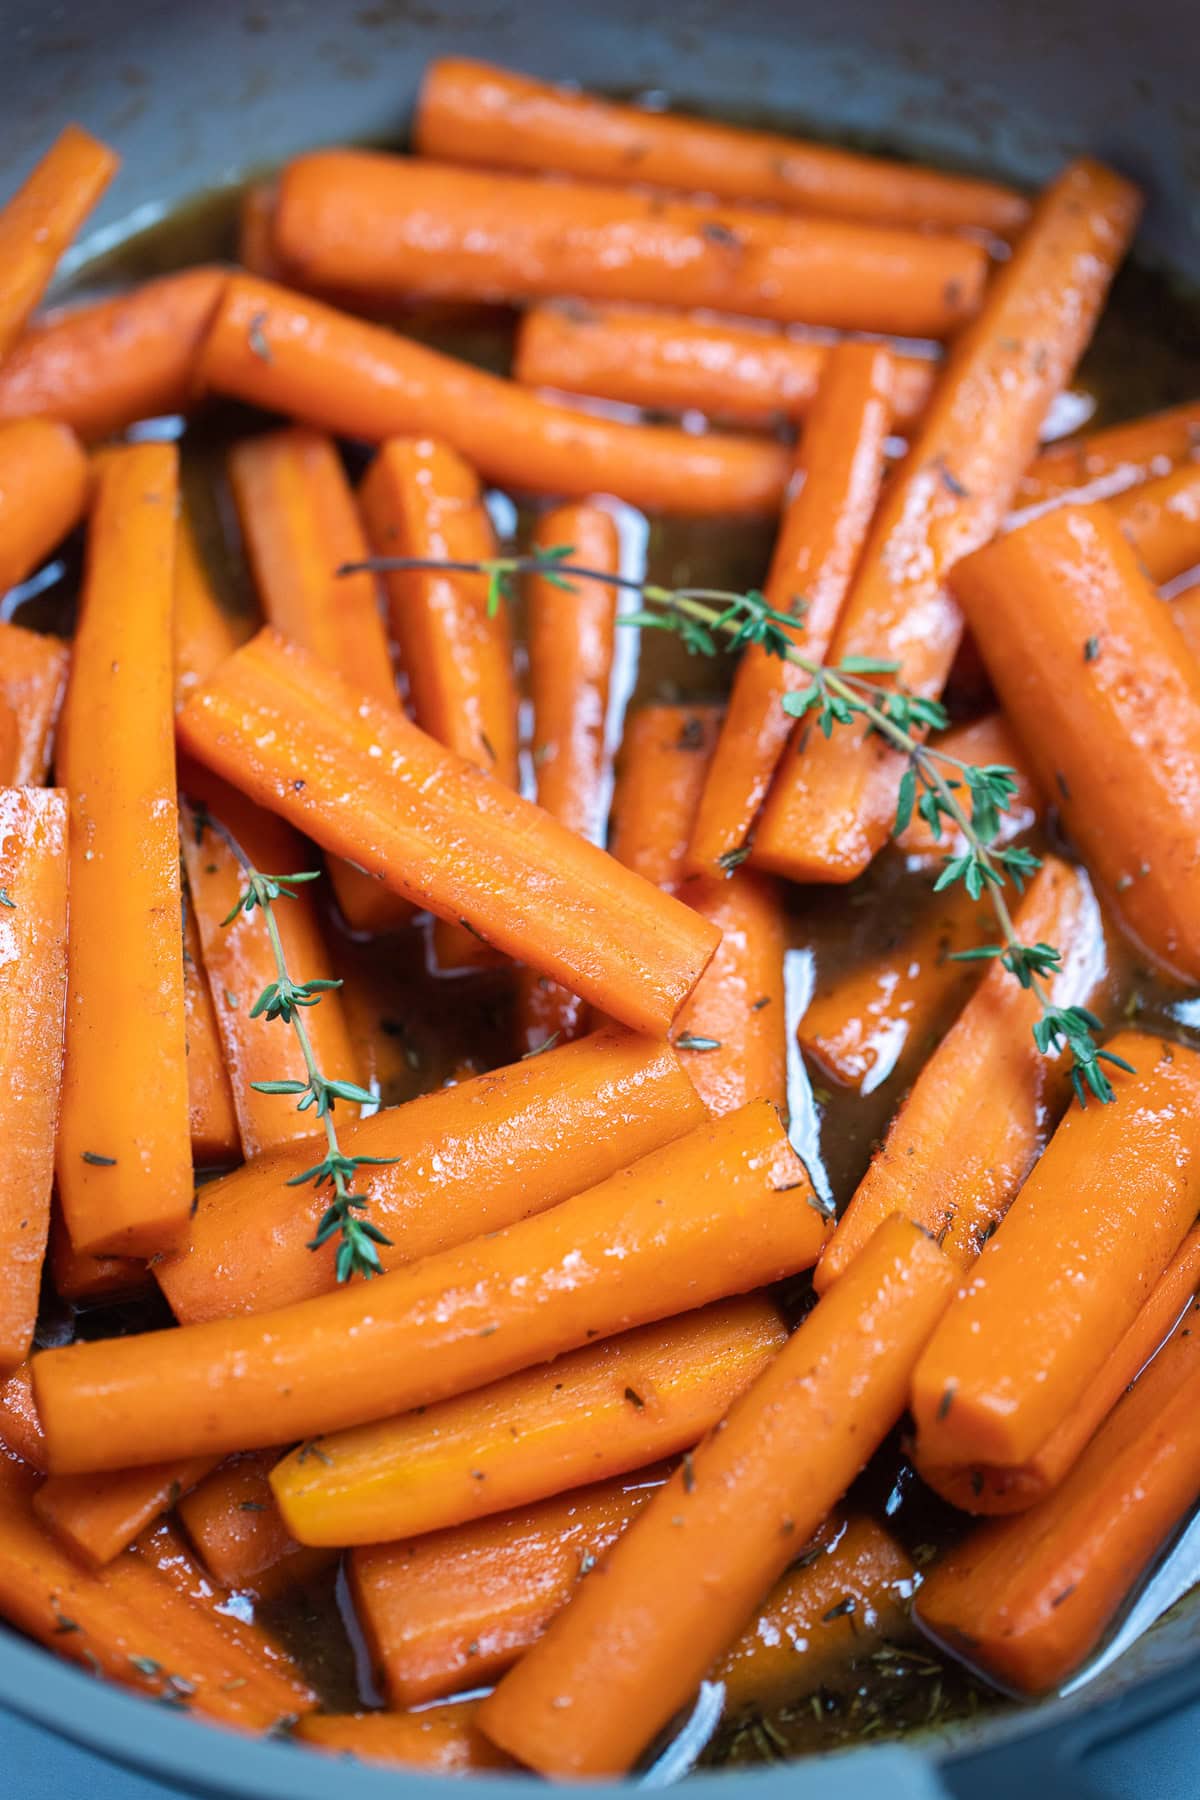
979,1489
125,1167
1102,463
600,1411
983,741
454,1609
42,218
1118,742
442,1741
634,1644
239,1532
571,639
102,366
473,112
1027,1599
98,1516
21,1432
204,632
579,1113
1185,613
256,231
10,744
357,380
43,492
239,961
361,220
1161,519
443,833
833,807
839,471
454,1321
1076,1256
746,372
33,980
664,758
213,1120
33,679
84,1279
983,1106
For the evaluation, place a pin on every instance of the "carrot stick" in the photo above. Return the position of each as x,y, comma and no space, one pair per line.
443,833
10,744
745,372
239,1532
42,218
1185,614
256,231
357,380
21,1432
739,1511
98,1516
983,741
361,220
43,492
600,1411
1026,1600
664,757
476,113
1118,742
570,638
832,808
204,632
454,1609
983,1106
1076,1256
579,1113
444,1741
839,470
85,1279
1103,463
979,1489
239,962
454,1321
33,980
33,680
1161,519
213,1120
124,1164
102,366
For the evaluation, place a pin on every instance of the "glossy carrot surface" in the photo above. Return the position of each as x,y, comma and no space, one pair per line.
42,218
1098,464
443,1741
211,1113
43,493
98,1516
239,1533
33,680
1161,519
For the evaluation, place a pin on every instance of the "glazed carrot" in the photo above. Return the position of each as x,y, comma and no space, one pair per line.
1075,1258
361,220
1118,743
661,768
1185,613
738,1510
256,231
33,980
744,371
102,366
42,218
357,380
10,745
1102,463
33,679
98,1516
1161,519
213,1120
43,492
983,1106
598,1412
204,632
125,1167
239,1532
454,1321
21,1432
1027,1599
570,638
443,1741
579,1113
979,1489
839,471
83,1279
474,112
239,960
443,833
454,1609
833,807
983,741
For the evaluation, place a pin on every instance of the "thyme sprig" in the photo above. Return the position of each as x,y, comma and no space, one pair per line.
940,787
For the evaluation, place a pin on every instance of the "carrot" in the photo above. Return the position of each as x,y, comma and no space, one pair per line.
571,640
832,808
42,218
983,741
1185,614
455,1608
357,380
21,1432
124,1165
204,632
664,758
43,492
239,961
1161,519
1027,1599
839,471
473,112
979,1489
98,1516
443,833
33,979
980,1111
1118,742
746,372
1100,464
738,1510
33,679
579,1113
598,1412
454,1321
256,231
443,1741
361,220
1076,1256
102,366
239,1532
211,1114
85,1279
10,744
